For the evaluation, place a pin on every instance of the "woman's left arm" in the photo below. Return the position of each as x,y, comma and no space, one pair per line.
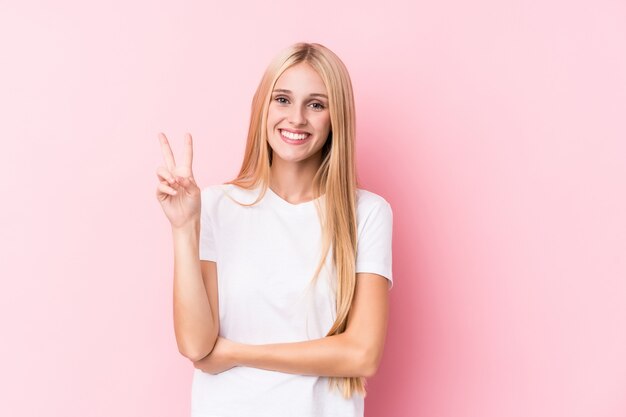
353,353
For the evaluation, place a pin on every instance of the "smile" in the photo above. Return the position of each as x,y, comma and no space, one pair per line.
291,137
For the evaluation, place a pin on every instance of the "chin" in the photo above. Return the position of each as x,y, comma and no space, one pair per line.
289,158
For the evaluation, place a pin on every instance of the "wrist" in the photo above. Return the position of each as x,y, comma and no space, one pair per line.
191,227
239,353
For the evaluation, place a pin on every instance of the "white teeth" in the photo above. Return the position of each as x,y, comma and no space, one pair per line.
294,136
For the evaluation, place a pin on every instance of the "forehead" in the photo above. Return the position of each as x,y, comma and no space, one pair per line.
301,79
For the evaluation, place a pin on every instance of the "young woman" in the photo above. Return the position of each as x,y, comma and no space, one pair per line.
281,275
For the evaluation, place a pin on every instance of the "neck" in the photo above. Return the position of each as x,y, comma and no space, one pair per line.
293,181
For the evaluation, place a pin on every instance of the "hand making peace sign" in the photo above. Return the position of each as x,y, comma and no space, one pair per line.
177,190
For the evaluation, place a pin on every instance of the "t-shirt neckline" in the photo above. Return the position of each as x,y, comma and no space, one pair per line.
286,203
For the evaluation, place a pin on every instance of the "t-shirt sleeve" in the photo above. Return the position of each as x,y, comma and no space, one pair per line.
373,253
207,248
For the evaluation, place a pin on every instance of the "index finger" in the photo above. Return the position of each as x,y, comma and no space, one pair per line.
168,156
188,153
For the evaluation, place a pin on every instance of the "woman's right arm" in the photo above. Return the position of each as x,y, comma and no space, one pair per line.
196,319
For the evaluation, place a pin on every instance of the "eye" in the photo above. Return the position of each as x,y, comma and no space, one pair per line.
317,106
281,99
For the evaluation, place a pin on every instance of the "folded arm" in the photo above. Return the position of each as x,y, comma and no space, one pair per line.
356,352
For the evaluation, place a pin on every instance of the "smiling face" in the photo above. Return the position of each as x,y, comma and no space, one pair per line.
298,119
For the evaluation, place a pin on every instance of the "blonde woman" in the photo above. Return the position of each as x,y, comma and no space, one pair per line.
281,276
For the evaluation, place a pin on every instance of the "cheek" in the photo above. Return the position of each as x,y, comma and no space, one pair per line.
324,123
272,119
274,116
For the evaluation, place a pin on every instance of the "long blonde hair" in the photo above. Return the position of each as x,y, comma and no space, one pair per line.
336,176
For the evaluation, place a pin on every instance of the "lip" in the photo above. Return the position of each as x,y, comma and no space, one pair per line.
294,141
293,131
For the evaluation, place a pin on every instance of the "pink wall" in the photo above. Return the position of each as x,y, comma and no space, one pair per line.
496,130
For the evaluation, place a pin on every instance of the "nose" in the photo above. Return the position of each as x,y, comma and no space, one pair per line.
297,116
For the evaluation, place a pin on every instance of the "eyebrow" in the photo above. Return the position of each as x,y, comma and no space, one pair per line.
280,90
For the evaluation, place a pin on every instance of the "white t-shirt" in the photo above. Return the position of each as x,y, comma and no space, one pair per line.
266,255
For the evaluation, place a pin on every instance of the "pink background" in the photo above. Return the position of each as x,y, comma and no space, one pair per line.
495,129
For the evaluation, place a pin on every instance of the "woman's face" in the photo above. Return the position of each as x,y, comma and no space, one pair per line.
298,120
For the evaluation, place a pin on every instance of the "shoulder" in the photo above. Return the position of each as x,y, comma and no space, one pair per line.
367,202
372,210
211,195
212,190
